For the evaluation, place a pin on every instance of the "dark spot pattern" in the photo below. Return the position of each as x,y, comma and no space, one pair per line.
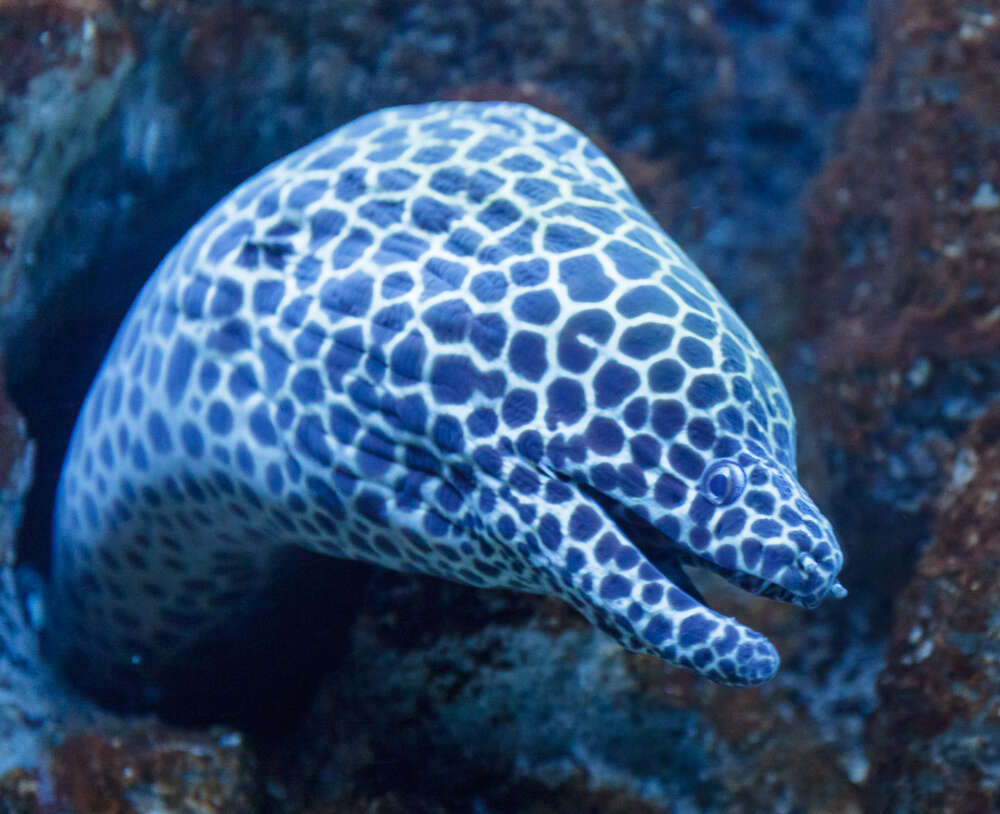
527,355
585,279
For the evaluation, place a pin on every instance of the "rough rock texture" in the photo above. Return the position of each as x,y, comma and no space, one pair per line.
905,325
936,739
905,319
450,699
63,67
134,768
511,703
147,767
17,456
23,705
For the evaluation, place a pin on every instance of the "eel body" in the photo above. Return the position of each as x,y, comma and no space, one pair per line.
447,339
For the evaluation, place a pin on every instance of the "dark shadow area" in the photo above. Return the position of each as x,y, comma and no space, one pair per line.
54,358
258,672
59,354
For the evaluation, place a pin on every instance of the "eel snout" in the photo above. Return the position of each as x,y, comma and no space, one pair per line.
632,581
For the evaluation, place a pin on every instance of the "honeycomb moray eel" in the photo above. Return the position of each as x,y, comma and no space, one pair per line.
448,339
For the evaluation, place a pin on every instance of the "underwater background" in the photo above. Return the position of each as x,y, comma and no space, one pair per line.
834,168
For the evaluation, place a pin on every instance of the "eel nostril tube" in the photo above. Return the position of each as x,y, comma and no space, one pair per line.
806,563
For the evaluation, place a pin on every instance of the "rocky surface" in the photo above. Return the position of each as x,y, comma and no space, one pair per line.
63,68
512,703
115,767
17,457
24,707
906,325
936,736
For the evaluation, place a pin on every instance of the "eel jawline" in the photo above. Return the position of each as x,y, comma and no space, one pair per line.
670,558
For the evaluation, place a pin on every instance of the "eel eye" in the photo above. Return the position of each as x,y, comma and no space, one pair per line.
723,482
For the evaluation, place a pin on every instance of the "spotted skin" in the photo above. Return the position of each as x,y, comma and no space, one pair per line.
447,339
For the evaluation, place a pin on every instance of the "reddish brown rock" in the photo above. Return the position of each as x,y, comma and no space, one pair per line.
103,765
146,767
903,312
935,740
16,464
89,762
63,64
903,305
514,701
906,238
19,792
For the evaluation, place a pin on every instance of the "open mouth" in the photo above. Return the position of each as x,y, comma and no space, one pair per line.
671,559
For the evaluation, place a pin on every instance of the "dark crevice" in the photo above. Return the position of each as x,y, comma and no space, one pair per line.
257,670
663,553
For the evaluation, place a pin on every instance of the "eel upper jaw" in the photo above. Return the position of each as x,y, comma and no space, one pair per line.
751,583
670,558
